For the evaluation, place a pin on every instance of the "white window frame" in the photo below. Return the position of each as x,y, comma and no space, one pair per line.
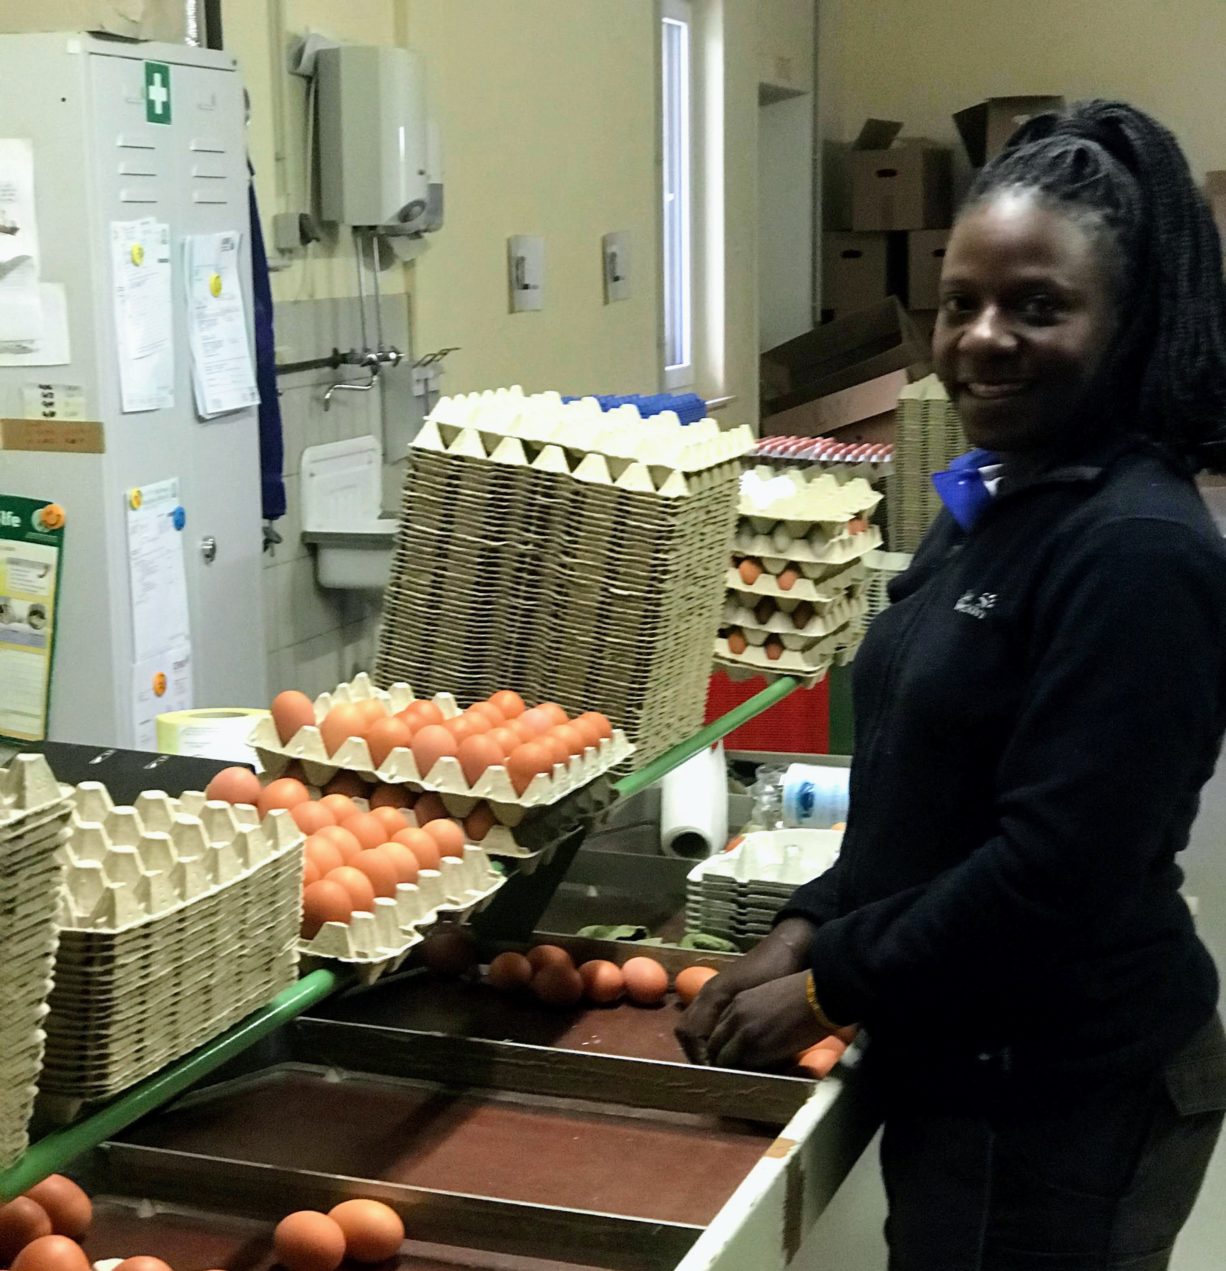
677,151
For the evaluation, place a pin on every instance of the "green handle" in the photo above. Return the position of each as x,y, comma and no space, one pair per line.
52,1153
774,692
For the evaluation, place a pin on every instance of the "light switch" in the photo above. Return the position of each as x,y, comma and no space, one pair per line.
616,266
526,266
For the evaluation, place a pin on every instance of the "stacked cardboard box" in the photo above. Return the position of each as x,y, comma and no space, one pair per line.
179,917
34,811
575,554
929,435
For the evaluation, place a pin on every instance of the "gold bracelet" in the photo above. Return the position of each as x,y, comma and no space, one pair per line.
815,1006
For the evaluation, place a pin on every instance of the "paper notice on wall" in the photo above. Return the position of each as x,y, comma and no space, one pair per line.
50,347
158,579
21,315
159,684
144,327
223,373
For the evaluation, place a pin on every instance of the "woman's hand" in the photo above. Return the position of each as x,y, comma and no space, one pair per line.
767,1026
783,953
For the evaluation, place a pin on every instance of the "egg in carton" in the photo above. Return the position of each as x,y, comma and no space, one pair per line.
763,621
808,665
830,584
781,547
770,495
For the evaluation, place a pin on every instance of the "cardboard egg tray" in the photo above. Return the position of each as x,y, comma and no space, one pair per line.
780,549
929,435
827,620
808,664
178,918
34,812
770,498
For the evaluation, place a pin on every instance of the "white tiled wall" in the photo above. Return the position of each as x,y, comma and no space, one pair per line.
317,637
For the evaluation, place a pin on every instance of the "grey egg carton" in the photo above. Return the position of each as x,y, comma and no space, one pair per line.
781,547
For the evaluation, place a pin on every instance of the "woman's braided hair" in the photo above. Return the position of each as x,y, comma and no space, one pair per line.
1123,174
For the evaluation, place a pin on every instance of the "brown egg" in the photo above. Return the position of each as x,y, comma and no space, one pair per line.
604,730
603,981
357,885
393,819
234,785
465,726
21,1221
749,570
737,644
403,861
283,793
476,754
572,737
422,712
559,752
558,985
788,579
324,901
385,735
689,982
367,828
373,1231
448,837
557,715
489,713
340,805
348,785
526,762
290,712
310,872
774,648
802,615
345,841
341,723
509,703
505,738
764,611
421,845
588,729
378,867
646,981
309,1241
388,796
66,1204
324,854
479,822
52,1253
310,817
143,1264
543,955
372,710
432,743
449,953
509,973
429,808
538,719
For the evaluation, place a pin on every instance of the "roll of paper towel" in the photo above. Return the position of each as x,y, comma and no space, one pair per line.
219,733
694,806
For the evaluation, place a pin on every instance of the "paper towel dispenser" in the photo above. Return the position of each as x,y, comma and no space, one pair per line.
374,139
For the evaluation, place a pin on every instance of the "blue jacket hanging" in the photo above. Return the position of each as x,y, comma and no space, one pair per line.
272,445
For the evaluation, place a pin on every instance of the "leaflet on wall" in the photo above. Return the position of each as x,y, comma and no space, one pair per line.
159,684
50,347
223,373
156,570
144,326
21,317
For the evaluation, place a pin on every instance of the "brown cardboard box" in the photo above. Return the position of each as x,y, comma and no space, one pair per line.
986,127
898,186
846,372
855,270
925,256
164,20
1215,192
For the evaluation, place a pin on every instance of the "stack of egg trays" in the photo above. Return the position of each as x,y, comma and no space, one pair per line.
929,435
175,925
736,894
34,812
575,578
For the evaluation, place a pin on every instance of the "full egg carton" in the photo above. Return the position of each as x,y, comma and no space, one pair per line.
400,768
780,548
582,426
824,622
375,944
808,665
827,585
770,498
178,917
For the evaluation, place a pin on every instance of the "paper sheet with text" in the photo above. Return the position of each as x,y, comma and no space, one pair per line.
144,325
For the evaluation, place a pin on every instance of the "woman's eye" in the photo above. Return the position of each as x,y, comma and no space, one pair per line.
957,306
1041,308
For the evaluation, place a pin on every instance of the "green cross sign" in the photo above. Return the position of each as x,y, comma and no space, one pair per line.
157,93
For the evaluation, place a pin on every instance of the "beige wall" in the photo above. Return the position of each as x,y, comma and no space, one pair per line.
919,62
548,115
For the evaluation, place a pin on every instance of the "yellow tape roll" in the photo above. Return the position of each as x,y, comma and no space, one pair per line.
216,733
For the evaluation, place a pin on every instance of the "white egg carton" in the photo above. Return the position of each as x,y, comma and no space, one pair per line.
805,664
400,768
770,498
780,548
827,620
582,426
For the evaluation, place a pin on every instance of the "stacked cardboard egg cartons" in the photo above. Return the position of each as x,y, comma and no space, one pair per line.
527,826
34,811
929,435
795,588
179,917
576,554
736,894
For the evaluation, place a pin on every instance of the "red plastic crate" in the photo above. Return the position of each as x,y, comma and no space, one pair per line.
799,724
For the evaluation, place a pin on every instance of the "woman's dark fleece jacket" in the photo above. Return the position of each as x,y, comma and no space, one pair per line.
1036,714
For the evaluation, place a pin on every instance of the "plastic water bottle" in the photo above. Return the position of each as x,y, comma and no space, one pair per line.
815,795
767,792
